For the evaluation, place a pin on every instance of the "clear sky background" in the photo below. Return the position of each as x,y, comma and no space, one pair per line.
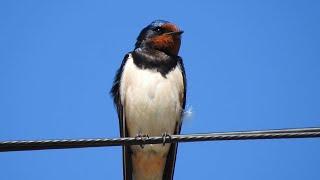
250,65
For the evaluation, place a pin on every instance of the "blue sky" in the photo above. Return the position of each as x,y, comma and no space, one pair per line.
250,65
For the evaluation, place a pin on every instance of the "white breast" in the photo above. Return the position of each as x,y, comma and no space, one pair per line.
151,101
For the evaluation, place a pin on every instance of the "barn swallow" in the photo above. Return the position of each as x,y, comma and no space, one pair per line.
149,92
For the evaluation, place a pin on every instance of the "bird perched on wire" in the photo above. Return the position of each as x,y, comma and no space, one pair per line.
149,91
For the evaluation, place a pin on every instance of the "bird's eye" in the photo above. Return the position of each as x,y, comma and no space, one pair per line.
158,29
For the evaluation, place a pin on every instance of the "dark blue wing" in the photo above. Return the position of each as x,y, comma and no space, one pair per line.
115,93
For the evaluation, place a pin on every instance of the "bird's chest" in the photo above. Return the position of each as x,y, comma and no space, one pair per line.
151,101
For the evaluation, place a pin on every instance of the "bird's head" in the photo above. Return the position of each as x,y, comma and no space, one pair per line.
162,36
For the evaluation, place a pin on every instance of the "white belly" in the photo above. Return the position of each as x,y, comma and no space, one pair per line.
151,101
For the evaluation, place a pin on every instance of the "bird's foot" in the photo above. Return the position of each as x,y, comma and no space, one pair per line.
165,137
142,137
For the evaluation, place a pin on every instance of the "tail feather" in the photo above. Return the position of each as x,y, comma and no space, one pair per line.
170,163
127,162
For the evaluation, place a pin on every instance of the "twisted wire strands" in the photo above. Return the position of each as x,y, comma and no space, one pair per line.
6,146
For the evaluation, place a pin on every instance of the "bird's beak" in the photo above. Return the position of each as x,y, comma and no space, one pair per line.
174,33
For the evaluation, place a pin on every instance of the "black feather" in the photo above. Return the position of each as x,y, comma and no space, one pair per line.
115,93
154,59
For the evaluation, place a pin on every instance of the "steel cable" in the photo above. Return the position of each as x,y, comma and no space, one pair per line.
6,146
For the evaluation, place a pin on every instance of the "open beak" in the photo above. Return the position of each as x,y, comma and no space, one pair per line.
174,33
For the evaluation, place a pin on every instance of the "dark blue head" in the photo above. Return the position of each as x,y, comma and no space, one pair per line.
157,23
160,35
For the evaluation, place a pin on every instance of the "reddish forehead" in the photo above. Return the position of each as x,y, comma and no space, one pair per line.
170,27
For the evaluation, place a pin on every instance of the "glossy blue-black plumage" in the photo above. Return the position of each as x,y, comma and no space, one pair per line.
157,23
